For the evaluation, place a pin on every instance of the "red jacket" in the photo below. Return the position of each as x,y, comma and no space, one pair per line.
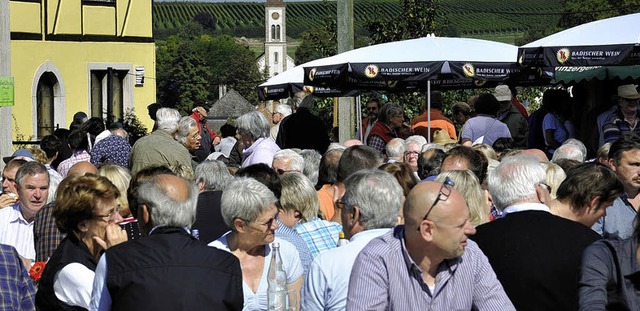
196,116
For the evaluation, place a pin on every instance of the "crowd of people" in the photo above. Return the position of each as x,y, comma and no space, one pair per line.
476,217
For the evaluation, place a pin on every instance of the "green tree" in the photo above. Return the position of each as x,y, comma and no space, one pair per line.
576,12
417,19
317,43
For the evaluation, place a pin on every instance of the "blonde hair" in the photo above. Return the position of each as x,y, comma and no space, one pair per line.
487,151
299,194
38,154
467,183
555,175
119,177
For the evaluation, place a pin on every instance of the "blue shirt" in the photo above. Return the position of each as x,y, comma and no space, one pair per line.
319,234
294,238
327,283
16,289
485,127
618,223
384,277
113,149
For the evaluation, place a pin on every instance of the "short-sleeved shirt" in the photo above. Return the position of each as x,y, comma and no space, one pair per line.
291,264
319,234
17,231
485,127
562,130
294,238
619,221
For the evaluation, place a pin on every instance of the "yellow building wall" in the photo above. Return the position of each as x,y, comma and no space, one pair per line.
72,59
64,17
27,18
134,25
99,20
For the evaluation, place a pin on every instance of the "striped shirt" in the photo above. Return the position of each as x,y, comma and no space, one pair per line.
319,234
384,277
76,157
16,231
16,289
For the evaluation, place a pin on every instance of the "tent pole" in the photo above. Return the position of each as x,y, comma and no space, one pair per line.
429,111
359,118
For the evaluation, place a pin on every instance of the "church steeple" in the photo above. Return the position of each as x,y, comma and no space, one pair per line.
275,43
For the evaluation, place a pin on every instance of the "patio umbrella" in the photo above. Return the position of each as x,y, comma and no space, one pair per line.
406,65
611,41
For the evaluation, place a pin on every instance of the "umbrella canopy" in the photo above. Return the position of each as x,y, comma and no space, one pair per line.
291,81
571,75
612,41
409,64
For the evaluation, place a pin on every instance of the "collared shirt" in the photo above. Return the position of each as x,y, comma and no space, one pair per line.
16,289
17,231
525,207
420,124
294,238
327,283
384,277
113,149
615,124
76,157
46,235
319,234
619,221
158,148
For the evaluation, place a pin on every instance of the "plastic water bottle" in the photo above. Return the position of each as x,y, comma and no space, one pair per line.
341,240
277,280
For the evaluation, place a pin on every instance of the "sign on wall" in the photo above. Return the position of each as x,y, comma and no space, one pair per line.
6,91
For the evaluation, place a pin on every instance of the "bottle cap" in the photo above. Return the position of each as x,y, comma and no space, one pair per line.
341,235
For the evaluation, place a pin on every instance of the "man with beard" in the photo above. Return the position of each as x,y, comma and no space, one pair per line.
373,108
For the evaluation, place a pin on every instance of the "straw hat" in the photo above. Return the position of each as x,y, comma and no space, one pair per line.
628,91
441,137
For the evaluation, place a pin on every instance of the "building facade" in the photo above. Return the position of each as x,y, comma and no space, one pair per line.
93,56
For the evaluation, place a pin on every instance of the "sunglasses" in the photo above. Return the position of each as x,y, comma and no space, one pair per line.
443,195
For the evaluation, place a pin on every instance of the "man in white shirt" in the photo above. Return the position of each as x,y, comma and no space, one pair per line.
16,221
365,215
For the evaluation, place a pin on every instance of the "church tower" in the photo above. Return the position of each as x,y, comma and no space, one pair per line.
275,59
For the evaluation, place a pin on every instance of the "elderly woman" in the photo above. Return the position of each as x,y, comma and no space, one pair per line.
86,209
386,128
189,136
249,209
254,129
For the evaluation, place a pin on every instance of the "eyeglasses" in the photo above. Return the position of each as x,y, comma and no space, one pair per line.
545,186
270,222
111,215
443,195
341,204
414,153
282,172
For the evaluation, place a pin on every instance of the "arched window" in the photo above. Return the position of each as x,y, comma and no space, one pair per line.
45,104
273,32
275,57
278,32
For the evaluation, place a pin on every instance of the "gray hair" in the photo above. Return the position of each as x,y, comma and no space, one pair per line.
245,198
297,162
415,139
430,146
571,151
389,111
164,209
395,148
213,174
379,208
30,168
311,164
579,144
184,126
284,109
299,194
254,124
514,180
167,119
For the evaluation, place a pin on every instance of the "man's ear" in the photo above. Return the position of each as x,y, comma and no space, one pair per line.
297,214
355,215
543,195
200,186
594,204
144,212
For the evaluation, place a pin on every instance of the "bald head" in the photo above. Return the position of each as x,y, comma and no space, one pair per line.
82,168
536,153
423,195
454,163
352,142
173,186
169,200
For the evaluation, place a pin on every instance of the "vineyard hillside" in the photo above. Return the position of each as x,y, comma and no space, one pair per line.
465,18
